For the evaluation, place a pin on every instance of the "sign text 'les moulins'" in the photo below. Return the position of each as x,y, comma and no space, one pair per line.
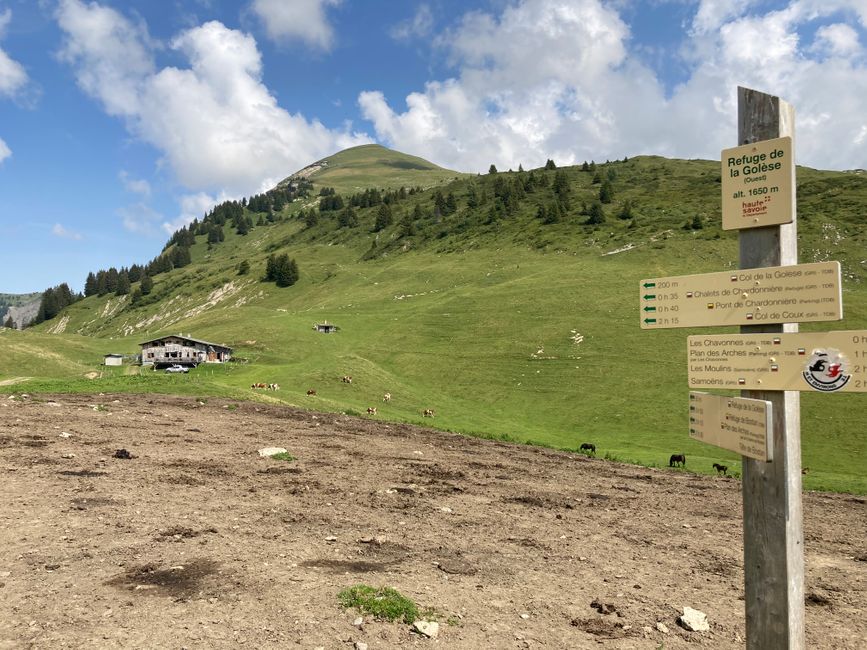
825,362
758,184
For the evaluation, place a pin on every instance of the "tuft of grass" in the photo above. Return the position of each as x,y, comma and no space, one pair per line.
284,455
384,603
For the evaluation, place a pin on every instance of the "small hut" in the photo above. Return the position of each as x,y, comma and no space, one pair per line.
113,360
325,328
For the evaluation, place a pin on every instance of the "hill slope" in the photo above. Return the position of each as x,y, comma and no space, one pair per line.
372,165
476,302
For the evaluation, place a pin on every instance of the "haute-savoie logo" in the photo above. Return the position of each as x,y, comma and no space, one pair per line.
826,370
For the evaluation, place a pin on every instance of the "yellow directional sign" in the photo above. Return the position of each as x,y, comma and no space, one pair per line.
826,362
738,424
757,184
780,294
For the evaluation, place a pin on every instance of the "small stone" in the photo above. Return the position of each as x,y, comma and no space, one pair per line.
360,645
331,538
67,455
64,434
693,620
525,616
430,629
662,627
270,451
446,509
358,622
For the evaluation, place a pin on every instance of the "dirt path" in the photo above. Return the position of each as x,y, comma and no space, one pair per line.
197,542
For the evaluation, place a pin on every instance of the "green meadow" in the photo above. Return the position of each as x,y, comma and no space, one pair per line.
507,328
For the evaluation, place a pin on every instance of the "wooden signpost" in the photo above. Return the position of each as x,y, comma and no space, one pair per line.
769,360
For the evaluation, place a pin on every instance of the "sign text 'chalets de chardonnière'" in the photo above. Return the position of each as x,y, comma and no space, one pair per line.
826,362
758,183
739,424
780,294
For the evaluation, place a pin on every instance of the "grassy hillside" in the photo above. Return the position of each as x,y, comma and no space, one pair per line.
505,325
372,165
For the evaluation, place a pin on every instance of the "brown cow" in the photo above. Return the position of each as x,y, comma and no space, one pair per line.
371,410
428,413
386,397
346,379
311,392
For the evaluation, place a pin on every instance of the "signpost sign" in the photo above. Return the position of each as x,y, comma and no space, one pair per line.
825,362
739,424
757,184
780,294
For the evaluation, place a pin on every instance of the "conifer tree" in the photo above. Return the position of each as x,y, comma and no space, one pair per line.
90,286
147,284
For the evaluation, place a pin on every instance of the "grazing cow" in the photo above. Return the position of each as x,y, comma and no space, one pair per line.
589,447
310,392
720,469
428,413
386,397
346,379
273,386
677,459
371,410
257,386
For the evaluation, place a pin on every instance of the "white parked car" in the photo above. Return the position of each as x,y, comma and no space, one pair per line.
177,368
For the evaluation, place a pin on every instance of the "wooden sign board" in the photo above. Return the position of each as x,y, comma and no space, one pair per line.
739,424
781,294
758,183
826,362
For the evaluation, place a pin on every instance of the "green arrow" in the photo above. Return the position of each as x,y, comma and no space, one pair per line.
649,320
650,309
650,296
647,285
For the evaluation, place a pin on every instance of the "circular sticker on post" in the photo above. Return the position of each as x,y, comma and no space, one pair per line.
826,370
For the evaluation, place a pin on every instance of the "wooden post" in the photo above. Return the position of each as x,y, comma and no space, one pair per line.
773,521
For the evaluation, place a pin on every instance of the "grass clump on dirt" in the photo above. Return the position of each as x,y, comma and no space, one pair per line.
383,603
284,455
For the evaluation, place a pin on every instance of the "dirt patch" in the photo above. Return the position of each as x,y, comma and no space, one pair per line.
205,544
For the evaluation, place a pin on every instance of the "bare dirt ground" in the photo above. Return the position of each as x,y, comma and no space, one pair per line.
197,542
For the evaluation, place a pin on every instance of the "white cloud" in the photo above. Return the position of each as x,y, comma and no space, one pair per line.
134,185
216,124
297,20
141,219
556,78
5,151
193,206
837,40
13,77
59,231
419,26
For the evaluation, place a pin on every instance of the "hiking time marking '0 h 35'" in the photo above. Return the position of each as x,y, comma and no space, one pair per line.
780,294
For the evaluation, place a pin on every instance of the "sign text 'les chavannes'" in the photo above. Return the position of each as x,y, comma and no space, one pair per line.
826,362
780,294
758,184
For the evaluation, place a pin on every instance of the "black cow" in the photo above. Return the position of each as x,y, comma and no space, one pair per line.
720,469
677,459
588,447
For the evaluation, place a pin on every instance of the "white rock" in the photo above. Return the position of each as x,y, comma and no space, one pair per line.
694,620
64,434
270,451
360,645
430,629
358,622
662,627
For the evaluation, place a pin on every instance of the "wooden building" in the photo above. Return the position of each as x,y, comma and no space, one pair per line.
325,328
182,350
113,360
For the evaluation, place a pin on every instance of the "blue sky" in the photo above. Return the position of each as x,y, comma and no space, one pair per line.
122,120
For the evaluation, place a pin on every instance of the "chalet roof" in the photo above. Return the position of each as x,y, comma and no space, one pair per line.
186,338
